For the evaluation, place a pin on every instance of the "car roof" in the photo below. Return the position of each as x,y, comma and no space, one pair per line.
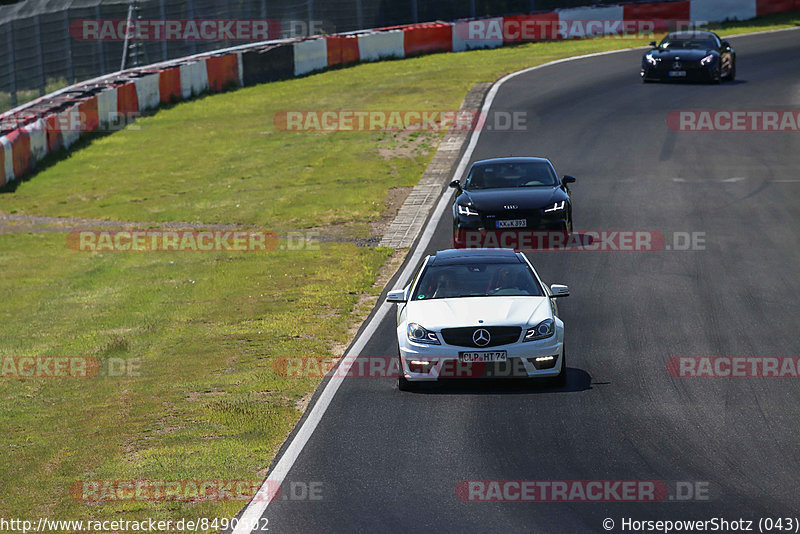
689,34
474,255
515,159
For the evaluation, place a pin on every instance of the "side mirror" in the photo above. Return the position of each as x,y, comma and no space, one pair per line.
455,184
396,295
568,179
558,290
726,45
654,44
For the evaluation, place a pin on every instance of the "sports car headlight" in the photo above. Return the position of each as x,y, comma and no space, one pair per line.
542,330
707,60
558,206
418,334
466,210
650,59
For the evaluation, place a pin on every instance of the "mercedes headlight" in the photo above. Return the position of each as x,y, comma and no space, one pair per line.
707,60
652,60
418,334
542,330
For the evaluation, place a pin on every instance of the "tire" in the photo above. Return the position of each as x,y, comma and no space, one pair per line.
402,383
732,73
560,380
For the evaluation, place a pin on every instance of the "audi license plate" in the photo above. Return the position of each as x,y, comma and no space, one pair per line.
475,357
512,223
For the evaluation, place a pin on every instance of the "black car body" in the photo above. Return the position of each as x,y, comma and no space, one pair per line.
690,55
511,195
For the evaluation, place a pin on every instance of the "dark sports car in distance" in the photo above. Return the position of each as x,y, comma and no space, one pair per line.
690,55
511,194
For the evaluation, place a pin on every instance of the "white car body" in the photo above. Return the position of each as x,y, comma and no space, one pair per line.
479,312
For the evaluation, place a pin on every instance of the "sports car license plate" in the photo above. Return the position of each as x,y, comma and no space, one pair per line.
512,223
474,357
677,73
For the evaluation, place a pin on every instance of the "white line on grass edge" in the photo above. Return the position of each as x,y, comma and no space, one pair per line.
256,508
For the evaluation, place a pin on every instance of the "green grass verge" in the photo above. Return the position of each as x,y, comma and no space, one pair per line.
205,328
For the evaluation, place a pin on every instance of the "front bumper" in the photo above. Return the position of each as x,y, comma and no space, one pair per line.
693,73
521,361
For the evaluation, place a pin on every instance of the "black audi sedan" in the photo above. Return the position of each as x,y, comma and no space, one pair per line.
511,195
690,55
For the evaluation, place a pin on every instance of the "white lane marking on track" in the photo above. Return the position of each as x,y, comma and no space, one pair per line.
256,508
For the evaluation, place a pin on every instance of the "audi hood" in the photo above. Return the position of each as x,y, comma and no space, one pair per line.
525,198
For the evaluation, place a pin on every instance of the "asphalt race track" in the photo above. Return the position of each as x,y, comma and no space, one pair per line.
391,461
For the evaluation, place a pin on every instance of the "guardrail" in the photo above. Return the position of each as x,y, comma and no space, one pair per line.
56,121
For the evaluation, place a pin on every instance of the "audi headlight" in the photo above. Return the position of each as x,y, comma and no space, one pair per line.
652,60
707,60
418,334
466,210
542,330
558,206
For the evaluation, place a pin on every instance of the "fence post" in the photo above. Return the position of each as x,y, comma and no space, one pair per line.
101,51
12,60
163,14
414,12
68,48
359,15
190,13
37,35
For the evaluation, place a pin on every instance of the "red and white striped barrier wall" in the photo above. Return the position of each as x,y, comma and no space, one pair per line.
6,159
770,7
374,46
427,38
310,55
719,10
223,72
591,18
107,107
147,88
147,91
169,85
194,78
342,49
20,152
473,34
37,133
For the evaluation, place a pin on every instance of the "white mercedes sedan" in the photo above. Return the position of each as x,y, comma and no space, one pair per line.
478,313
